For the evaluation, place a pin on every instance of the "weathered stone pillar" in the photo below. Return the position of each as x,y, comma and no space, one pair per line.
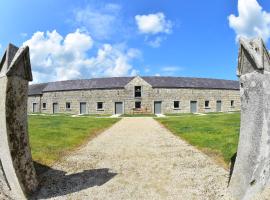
17,173
252,168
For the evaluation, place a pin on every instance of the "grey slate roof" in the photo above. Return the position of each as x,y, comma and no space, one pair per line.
120,82
95,83
188,82
36,89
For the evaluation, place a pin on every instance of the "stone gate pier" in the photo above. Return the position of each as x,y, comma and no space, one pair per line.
17,173
252,168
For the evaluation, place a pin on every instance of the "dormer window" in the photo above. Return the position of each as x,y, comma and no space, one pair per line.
138,91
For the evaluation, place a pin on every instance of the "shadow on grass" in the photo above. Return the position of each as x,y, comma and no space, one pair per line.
55,183
233,158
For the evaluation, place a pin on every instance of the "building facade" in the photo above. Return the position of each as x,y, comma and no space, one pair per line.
129,95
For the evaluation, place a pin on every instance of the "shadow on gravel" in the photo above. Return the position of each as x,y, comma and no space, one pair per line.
233,159
55,183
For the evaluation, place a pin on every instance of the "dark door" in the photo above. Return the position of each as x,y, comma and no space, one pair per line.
83,108
219,106
157,107
55,107
193,106
35,109
118,108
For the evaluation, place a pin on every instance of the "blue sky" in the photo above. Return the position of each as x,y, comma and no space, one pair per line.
84,39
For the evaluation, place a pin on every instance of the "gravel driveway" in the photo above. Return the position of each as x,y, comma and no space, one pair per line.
136,159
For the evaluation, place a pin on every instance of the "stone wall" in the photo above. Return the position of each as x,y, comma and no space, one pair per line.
126,95
34,99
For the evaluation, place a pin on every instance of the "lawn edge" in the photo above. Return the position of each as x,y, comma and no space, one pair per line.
213,155
78,147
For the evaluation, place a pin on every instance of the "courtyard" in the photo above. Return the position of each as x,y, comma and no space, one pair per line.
136,158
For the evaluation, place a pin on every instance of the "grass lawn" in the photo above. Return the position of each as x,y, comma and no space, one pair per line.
216,135
51,137
178,114
138,115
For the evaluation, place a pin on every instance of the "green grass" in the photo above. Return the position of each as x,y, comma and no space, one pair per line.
138,115
51,137
178,114
96,115
216,135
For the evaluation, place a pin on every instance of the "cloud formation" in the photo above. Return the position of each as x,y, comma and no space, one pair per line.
252,21
153,23
101,21
154,27
55,57
113,61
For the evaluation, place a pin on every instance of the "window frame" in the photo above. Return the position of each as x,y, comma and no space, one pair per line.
176,108
44,108
68,103
207,104
232,103
102,105
135,92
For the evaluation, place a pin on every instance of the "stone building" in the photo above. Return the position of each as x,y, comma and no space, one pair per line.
119,95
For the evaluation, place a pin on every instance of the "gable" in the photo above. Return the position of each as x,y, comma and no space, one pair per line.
138,81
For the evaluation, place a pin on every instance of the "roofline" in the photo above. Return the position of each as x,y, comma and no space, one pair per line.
190,77
197,88
70,90
131,78
115,88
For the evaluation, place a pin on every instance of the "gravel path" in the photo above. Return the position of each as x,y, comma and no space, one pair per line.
136,159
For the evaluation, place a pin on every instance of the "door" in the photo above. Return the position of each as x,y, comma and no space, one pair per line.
118,108
157,107
55,107
35,108
218,106
82,108
193,106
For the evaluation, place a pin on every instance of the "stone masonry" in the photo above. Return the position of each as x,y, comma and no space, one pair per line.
17,173
126,95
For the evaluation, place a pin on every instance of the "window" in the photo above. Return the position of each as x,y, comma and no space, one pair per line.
138,91
232,103
68,106
176,104
138,104
99,105
44,105
206,104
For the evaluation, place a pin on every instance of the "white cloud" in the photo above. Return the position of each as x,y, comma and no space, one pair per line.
171,69
55,57
114,61
154,26
153,23
156,42
61,58
252,20
101,21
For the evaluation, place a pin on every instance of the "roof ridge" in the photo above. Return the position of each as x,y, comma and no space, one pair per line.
131,77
